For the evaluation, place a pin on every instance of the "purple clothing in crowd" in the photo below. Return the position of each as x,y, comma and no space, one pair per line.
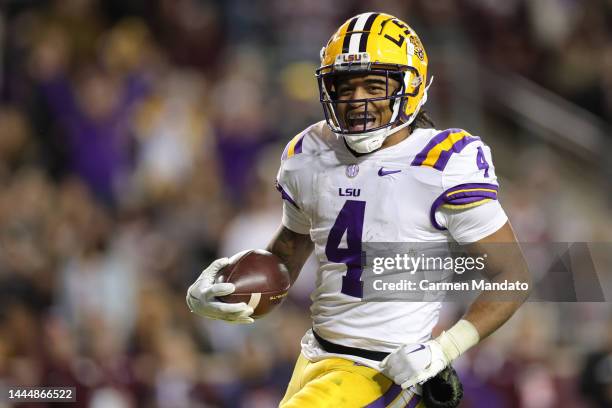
238,157
99,150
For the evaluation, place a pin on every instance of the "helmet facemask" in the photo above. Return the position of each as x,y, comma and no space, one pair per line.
397,99
409,86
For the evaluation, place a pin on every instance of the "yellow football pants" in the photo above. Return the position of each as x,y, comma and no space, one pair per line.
341,383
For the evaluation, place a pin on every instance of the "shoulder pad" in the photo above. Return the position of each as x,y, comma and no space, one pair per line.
294,147
312,139
440,148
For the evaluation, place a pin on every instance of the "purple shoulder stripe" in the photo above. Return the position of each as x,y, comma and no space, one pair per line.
284,195
462,194
456,148
420,158
440,156
294,146
298,145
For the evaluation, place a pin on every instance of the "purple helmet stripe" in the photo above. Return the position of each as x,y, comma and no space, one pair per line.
347,35
386,398
284,195
454,196
363,41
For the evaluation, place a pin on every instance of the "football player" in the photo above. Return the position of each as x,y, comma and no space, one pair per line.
376,170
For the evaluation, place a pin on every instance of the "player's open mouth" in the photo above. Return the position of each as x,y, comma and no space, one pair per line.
357,121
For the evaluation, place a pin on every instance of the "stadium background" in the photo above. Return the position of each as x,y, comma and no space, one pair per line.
139,141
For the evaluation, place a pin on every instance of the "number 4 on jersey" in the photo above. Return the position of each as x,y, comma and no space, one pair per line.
350,220
481,162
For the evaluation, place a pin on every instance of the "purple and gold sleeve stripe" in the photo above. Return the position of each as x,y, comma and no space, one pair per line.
441,147
294,146
284,194
461,197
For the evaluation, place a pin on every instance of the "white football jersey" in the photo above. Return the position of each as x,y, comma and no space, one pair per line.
434,186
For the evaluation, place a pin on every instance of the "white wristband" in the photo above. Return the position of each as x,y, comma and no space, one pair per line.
458,339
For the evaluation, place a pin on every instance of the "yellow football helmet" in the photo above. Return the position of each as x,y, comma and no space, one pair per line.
376,44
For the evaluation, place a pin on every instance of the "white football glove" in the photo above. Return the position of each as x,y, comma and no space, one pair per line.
416,363
201,297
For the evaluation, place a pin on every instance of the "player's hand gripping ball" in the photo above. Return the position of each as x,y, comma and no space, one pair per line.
260,280
241,288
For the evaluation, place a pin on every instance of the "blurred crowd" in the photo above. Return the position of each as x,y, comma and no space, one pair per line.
139,140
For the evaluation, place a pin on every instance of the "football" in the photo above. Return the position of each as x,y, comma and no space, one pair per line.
261,281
